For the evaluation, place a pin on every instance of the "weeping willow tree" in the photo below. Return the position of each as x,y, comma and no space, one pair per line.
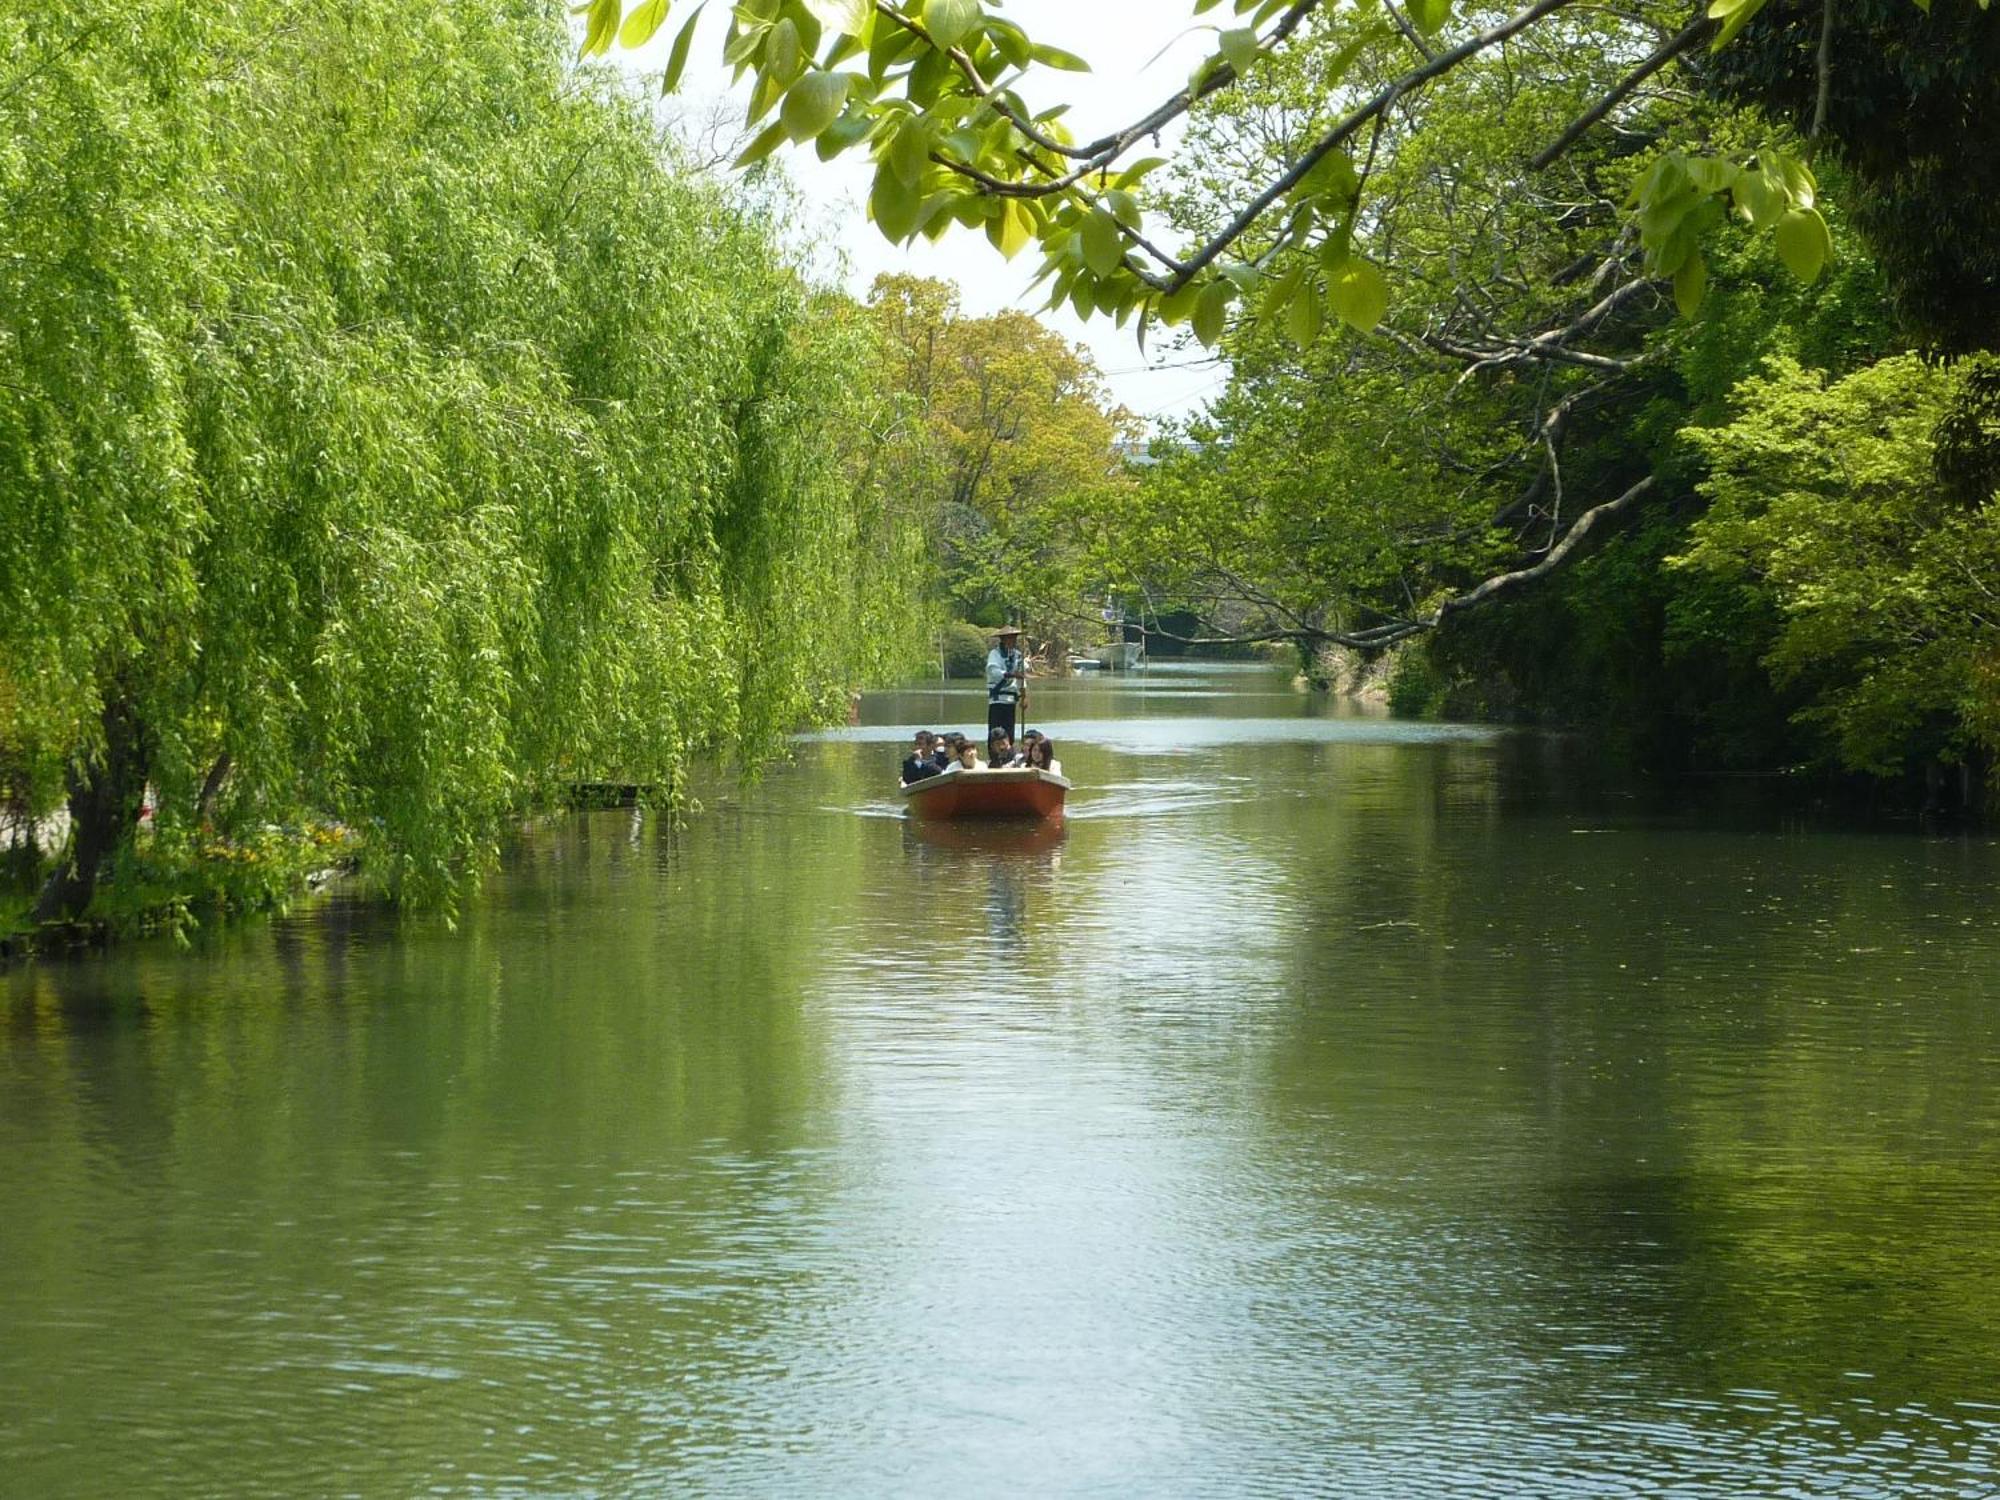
392,430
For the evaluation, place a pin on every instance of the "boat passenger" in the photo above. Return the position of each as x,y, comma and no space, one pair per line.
968,758
1042,755
1000,751
921,762
941,750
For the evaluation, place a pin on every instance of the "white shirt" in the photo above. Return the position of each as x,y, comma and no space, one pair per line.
998,664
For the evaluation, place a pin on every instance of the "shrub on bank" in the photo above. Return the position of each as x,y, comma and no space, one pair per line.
964,650
1417,688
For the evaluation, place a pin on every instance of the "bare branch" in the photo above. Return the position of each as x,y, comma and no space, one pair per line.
1572,539
1377,637
1825,65
1097,155
1686,37
1444,62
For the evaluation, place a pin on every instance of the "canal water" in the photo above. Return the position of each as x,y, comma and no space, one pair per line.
1335,1106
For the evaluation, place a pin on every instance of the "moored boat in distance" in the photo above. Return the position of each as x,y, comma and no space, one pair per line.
1015,792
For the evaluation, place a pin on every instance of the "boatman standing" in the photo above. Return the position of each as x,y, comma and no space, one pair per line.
1006,680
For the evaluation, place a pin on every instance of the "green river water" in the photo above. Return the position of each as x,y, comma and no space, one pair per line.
1335,1107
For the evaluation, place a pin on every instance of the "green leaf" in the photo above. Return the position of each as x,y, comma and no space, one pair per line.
1012,228
1055,57
1332,176
894,206
846,17
1794,175
850,129
1177,305
950,21
1804,244
767,141
1279,293
1211,310
1429,15
601,27
1242,273
1103,245
646,19
1712,174
1337,66
1734,15
764,96
1358,294
677,58
782,55
1011,42
1239,45
1304,317
886,48
814,103
742,46
1757,197
1131,175
910,151
1690,284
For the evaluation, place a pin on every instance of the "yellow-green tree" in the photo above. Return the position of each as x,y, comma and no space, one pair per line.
1006,430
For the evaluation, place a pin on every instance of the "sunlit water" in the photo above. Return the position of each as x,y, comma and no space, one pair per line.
1335,1107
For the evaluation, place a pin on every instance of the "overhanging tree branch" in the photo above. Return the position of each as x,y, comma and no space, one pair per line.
1378,637
1335,137
1505,583
1665,53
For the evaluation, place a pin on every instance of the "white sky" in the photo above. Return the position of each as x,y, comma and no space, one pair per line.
1118,37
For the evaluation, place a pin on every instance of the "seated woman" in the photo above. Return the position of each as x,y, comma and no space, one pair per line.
1042,755
968,759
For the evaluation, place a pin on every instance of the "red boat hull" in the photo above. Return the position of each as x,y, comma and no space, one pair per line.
1019,793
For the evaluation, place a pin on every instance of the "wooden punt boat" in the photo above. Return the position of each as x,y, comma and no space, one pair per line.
1016,792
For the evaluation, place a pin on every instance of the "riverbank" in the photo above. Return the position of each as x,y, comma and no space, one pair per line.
171,884
174,884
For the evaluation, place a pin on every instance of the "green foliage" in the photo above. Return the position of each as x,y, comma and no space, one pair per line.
172,881
964,650
1823,498
1004,434
932,92
1910,99
1417,688
389,412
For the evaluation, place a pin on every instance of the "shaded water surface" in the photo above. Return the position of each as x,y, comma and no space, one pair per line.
1335,1107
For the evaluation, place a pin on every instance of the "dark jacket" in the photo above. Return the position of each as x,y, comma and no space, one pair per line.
917,768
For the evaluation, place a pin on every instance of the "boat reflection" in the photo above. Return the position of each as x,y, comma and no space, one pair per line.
1001,837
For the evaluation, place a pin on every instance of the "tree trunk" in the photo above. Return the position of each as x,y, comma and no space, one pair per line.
105,794
211,791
